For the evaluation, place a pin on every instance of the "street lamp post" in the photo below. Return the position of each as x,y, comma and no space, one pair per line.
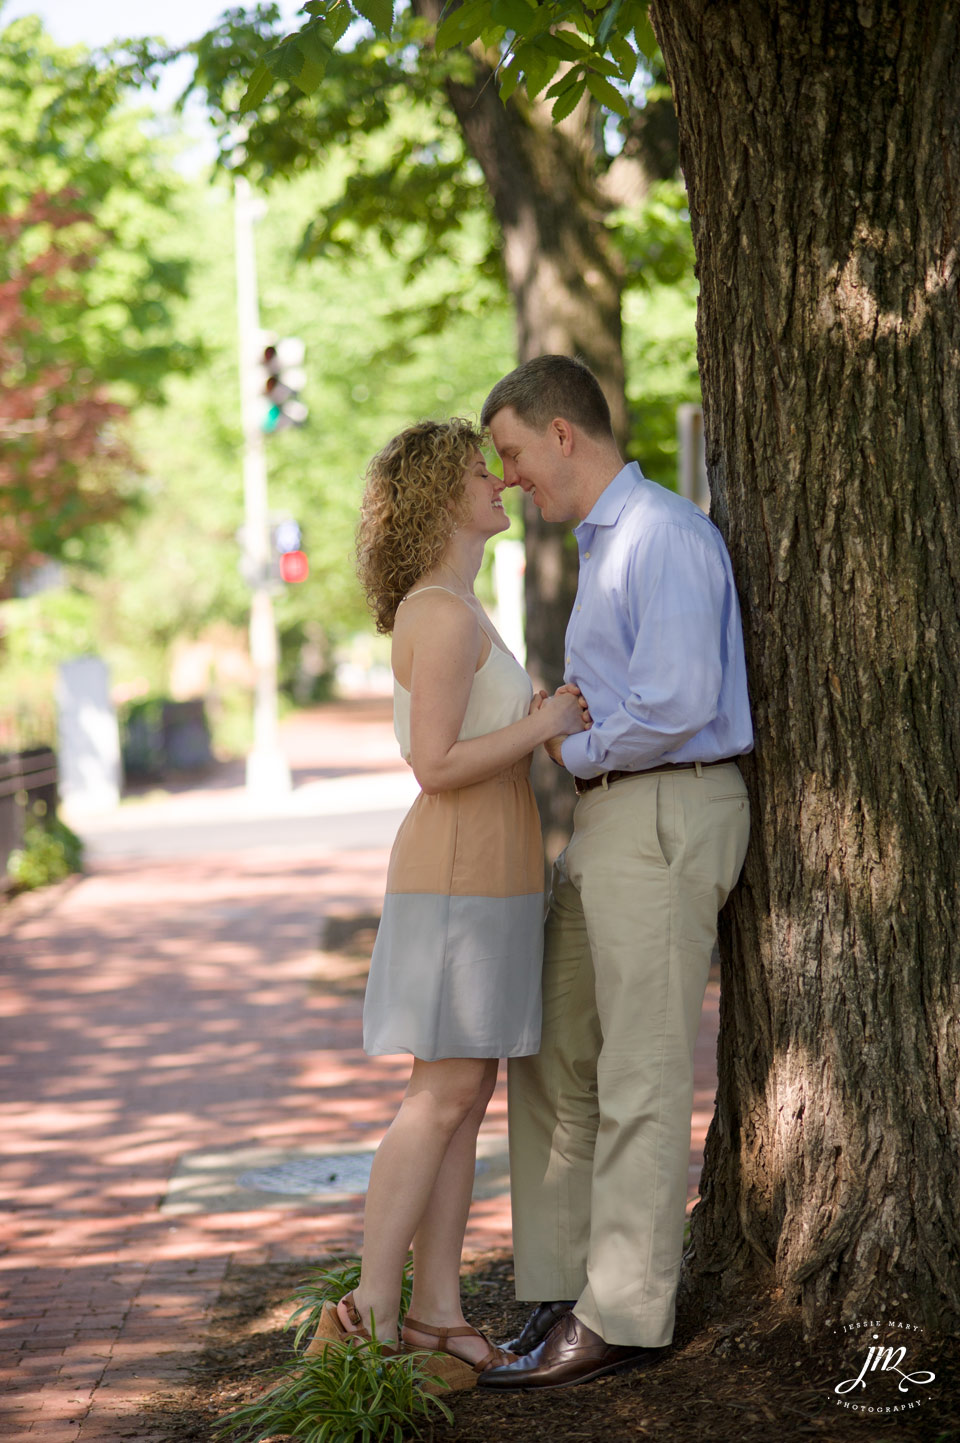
267,770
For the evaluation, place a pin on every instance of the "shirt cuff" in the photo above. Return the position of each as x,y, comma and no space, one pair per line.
573,749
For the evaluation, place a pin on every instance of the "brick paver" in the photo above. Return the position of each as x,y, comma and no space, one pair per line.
162,1006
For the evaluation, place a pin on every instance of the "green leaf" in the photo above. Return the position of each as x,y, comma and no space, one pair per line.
378,12
645,38
581,46
462,26
607,23
260,85
538,69
510,77
316,51
603,91
338,20
559,46
568,101
626,57
285,60
566,82
516,15
602,66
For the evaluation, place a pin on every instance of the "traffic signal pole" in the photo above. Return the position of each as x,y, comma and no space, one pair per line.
267,771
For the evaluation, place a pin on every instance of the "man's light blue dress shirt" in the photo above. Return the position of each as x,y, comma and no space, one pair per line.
654,640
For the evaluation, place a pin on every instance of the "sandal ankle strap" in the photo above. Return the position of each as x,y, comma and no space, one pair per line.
353,1314
462,1331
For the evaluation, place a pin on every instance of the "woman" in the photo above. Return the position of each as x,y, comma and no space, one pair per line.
455,973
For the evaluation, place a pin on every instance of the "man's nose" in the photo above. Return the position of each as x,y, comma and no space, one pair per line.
510,476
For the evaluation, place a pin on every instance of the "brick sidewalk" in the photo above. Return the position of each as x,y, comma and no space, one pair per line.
160,1008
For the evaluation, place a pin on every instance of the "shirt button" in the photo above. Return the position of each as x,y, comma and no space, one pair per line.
568,661
579,608
586,556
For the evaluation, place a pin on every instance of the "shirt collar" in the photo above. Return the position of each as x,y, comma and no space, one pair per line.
606,510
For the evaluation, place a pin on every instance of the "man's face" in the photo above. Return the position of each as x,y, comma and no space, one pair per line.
535,461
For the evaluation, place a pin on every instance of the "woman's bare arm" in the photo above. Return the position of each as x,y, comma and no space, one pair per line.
445,641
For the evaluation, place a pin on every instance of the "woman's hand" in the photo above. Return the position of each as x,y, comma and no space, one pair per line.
539,697
565,712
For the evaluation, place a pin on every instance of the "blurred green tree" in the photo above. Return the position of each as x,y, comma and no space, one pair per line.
433,148
64,466
85,324
170,572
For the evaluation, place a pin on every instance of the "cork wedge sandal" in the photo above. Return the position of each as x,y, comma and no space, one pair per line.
331,1330
446,1366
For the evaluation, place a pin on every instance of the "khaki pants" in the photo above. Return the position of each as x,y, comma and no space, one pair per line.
600,1118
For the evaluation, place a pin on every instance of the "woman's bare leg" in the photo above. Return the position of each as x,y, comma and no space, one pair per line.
439,1098
438,1243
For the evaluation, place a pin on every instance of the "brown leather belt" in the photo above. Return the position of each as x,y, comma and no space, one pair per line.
586,785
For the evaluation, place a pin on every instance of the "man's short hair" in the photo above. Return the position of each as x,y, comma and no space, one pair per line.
550,386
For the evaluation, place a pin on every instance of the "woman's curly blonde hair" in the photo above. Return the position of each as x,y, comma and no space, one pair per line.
412,504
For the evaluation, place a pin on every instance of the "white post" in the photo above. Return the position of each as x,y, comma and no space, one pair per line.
89,740
509,561
267,769
693,462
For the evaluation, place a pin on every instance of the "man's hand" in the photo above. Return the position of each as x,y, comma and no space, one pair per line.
552,749
568,686
553,745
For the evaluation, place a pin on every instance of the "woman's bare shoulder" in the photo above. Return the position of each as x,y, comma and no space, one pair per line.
433,604
437,621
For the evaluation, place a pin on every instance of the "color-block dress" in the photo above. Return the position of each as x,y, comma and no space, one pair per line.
456,966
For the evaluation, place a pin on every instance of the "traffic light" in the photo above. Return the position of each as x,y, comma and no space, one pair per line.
290,562
284,378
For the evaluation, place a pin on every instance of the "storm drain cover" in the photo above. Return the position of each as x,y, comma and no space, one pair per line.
312,1176
248,1179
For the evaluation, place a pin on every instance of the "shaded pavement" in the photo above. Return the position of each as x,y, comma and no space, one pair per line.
178,1011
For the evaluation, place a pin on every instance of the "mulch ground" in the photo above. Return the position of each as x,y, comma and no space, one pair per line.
748,1380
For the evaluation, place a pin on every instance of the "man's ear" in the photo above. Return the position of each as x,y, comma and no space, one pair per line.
563,431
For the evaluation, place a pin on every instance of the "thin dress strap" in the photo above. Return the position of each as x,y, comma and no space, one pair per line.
495,644
434,588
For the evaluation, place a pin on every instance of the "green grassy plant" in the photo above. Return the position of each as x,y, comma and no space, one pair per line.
332,1283
347,1394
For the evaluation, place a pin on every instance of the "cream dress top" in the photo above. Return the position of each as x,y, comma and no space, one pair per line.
501,694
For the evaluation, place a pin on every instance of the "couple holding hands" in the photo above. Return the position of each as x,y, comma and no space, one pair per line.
598,1008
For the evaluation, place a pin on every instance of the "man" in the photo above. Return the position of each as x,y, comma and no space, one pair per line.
600,1119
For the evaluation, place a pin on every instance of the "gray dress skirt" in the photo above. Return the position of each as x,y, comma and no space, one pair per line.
456,966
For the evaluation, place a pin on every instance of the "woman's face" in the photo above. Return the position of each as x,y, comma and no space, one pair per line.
484,508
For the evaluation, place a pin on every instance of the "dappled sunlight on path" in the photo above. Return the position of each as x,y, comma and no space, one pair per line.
165,1009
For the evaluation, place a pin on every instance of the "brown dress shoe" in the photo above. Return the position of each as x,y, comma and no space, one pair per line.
536,1328
570,1353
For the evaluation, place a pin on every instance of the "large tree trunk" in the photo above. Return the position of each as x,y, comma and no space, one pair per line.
821,146
566,284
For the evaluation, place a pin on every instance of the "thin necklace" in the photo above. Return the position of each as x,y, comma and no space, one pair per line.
467,589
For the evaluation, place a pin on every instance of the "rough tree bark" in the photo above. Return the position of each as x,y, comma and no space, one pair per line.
566,284
821,147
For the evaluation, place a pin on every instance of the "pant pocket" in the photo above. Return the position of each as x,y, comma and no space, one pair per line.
670,830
